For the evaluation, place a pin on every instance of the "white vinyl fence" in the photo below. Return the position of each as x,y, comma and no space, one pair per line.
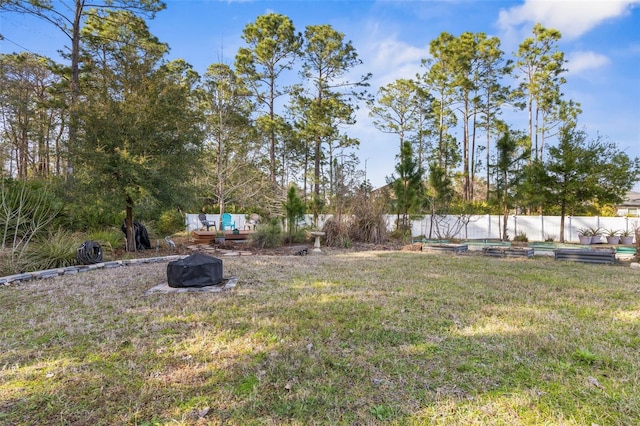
477,227
536,228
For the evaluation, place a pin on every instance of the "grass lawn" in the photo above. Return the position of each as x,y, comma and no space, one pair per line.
351,338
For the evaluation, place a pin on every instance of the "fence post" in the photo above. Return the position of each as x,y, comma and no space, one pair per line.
570,229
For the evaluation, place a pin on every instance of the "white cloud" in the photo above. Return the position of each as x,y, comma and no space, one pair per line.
581,61
571,17
389,59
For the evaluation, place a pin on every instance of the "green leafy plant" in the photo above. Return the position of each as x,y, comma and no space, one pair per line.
382,412
295,209
57,250
170,222
109,239
586,356
595,231
26,212
268,235
585,232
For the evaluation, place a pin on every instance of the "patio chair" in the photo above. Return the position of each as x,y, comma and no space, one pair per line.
227,222
206,222
253,222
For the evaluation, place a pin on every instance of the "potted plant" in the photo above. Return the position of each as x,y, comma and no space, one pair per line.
585,235
219,237
612,236
596,233
626,237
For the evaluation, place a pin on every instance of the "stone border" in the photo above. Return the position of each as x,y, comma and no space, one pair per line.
74,270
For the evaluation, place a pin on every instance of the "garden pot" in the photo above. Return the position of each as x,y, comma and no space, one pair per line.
585,239
219,240
613,239
626,240
595,239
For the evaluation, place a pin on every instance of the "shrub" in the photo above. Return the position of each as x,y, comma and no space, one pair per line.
369,224
170,222
299,236
109,239
57,250
28,210
268,235
335,233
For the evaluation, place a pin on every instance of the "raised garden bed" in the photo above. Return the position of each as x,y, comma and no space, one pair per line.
586,255
488,243
456,248
507,251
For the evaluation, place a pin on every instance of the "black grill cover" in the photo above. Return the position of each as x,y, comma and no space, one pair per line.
196,270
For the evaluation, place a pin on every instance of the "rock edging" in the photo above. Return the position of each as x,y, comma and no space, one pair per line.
74,270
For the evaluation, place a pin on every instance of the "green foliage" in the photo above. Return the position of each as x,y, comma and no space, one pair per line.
268,235
57,250
110,239
142,126
27,210
170,222
294,209
585,356
383,412
578,173
299,236
511,152
441,189
272,46
407,186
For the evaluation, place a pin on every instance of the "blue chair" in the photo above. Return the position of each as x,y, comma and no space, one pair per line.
227,222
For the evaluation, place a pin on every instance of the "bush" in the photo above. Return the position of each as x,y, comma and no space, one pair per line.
368,224
299,236
336,234
109,239
170,222
58,250
268,235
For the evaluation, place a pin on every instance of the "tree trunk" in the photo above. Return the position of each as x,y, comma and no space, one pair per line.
75,77
131,240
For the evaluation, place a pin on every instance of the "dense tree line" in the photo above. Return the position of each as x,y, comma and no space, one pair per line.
120,128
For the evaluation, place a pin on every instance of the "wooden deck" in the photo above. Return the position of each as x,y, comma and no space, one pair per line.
205,237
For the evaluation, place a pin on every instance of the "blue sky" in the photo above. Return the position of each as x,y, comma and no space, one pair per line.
601,40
